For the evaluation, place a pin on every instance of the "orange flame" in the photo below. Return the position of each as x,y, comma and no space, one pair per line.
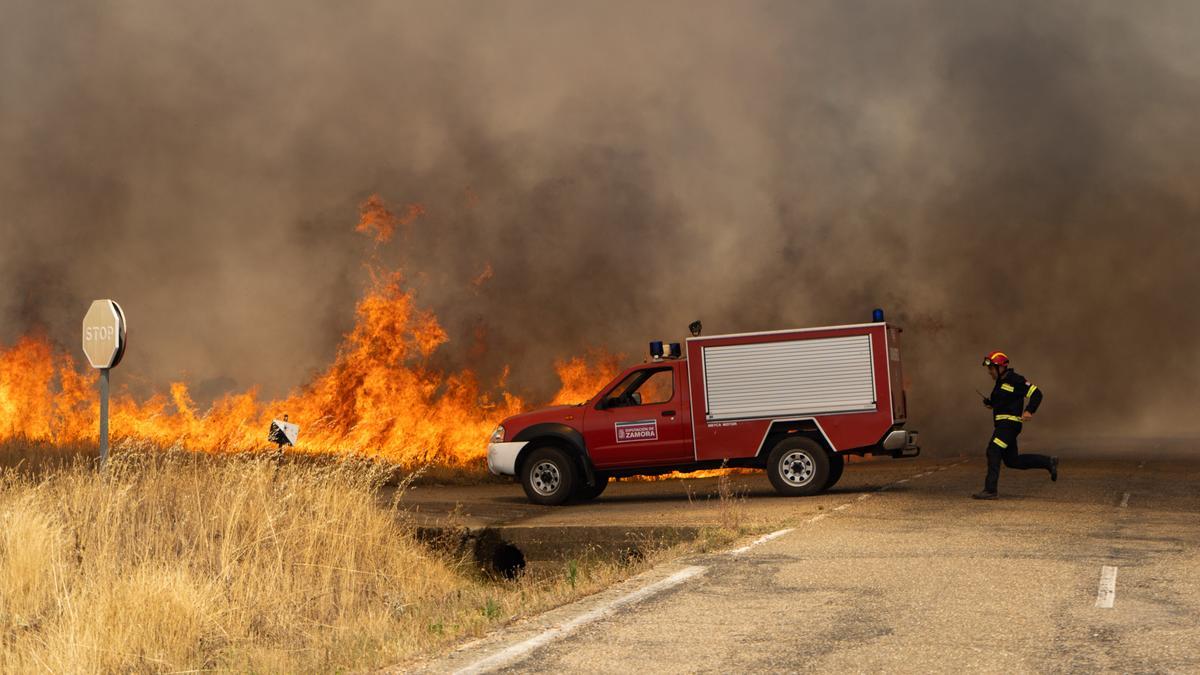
582,377
377,219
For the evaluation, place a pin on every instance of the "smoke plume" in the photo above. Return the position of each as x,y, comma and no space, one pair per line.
1017,176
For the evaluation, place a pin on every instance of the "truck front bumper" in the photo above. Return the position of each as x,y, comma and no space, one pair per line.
901,443
502,457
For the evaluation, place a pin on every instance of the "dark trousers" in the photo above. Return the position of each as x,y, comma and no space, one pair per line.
1003,447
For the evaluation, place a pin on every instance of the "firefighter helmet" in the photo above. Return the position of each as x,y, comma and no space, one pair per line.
996,359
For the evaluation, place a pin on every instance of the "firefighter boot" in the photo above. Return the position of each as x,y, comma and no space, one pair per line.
1054,469
985,495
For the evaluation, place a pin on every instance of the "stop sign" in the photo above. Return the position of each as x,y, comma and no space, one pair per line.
104,334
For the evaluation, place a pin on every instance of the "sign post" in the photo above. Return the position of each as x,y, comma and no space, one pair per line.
104,345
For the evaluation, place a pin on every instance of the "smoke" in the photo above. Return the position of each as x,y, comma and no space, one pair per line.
1017,176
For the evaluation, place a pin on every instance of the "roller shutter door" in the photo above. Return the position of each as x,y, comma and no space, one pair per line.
793,378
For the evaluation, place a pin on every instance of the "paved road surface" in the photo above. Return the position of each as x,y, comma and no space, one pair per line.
682,502
894,576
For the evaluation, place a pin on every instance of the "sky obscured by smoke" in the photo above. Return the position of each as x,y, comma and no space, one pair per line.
1021,176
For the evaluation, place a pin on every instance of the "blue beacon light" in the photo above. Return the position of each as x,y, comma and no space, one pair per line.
656,349
877,315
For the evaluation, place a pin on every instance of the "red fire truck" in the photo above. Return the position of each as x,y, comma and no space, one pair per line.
791,402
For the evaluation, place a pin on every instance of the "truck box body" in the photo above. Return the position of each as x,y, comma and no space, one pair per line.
840,378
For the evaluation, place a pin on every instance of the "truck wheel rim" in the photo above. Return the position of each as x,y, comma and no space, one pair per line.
546,478
797,468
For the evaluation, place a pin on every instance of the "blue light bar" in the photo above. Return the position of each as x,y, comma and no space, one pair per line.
877,315
656,349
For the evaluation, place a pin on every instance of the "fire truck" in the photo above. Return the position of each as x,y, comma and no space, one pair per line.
794,403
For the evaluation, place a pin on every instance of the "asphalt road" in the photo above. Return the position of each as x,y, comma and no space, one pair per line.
636,503
896,570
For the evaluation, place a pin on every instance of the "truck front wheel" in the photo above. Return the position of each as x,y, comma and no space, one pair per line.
548,476
798,467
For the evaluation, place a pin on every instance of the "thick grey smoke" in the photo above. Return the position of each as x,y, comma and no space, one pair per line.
996,175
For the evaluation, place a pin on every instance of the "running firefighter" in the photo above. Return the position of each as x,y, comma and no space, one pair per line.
1013,402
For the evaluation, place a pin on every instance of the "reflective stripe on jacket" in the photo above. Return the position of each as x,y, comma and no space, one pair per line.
1009,396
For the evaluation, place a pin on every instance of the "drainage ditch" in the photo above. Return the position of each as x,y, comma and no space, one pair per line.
507,551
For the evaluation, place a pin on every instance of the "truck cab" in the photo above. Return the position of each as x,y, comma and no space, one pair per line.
791,402
640,419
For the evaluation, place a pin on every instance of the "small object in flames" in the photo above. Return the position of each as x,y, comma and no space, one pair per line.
283,433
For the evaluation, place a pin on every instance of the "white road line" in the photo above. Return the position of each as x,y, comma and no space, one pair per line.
1125,500
520,650
819,516
865,496
902,480
761,540
1107,593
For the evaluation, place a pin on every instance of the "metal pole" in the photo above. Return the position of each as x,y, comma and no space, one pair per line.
103,417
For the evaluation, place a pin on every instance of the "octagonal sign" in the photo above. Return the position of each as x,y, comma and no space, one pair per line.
104,334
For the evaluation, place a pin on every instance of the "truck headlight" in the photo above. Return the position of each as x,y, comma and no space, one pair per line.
497,435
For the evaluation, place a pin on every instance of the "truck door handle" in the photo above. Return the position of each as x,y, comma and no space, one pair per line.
668,413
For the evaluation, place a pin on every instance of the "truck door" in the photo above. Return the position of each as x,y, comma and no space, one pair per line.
641,421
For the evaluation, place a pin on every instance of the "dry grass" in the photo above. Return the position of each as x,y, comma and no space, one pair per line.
41,456
731,510
178,562
38,456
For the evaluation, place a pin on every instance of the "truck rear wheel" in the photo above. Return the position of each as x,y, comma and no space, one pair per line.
798,467
549,476
584,493
837,464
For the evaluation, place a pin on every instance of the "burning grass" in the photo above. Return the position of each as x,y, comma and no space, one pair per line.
180,562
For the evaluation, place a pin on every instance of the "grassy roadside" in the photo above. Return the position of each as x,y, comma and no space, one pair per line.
178,562
42,456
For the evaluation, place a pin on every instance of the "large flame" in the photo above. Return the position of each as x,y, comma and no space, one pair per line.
582,376
380,397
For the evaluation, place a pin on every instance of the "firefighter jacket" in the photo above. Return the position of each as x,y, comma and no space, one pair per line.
1008,397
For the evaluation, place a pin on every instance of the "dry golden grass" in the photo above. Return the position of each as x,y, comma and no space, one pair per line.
40,456
177,562
37,456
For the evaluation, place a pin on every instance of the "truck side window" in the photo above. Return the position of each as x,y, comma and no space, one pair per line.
618,396
658,388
